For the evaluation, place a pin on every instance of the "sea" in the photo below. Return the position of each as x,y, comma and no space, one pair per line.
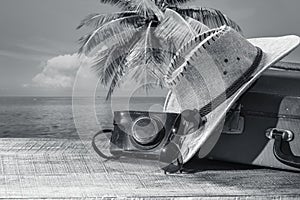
65,117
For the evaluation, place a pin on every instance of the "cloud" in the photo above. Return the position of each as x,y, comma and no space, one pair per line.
60,71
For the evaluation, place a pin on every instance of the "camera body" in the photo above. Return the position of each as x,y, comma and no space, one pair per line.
141,134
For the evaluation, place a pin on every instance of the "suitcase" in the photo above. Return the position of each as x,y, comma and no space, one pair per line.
263,128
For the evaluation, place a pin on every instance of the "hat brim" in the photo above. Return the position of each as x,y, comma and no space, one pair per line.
204,139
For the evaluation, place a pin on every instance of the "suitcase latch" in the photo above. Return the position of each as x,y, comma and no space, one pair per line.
234,124
286,135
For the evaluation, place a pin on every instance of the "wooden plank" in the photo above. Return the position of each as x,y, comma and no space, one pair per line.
47,168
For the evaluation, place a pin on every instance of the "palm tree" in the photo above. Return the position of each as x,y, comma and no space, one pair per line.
142,38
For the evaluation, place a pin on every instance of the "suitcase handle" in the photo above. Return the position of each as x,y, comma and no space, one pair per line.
282,149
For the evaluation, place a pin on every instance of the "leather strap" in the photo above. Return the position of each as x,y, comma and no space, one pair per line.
97,150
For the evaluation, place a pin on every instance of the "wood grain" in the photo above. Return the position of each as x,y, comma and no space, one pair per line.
47,168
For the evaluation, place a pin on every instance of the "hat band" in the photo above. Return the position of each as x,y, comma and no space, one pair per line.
234,87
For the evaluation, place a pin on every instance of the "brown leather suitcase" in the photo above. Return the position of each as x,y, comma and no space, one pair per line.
263,128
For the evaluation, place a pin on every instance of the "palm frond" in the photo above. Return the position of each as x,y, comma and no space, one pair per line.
153,47
210,17
111,29
146,8
175,2
176,29
147,60
96,20
105,64
119,3
196,25
147,76
115,82
112,65
115,40
147,50
147,79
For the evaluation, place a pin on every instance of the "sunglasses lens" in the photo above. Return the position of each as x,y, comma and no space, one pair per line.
170,158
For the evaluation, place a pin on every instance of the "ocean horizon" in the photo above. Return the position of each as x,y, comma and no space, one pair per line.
52,117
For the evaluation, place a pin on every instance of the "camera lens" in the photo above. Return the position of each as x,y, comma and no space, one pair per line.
145,130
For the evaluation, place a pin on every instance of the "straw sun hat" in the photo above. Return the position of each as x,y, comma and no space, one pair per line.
210,73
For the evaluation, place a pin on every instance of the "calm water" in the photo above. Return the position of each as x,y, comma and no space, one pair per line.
53,117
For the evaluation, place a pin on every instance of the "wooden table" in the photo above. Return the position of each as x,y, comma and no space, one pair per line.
50,168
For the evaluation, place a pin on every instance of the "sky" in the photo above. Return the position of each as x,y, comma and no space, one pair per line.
38,39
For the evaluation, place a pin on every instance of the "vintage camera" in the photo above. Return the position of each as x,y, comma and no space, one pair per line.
151,135
145,134
141,134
